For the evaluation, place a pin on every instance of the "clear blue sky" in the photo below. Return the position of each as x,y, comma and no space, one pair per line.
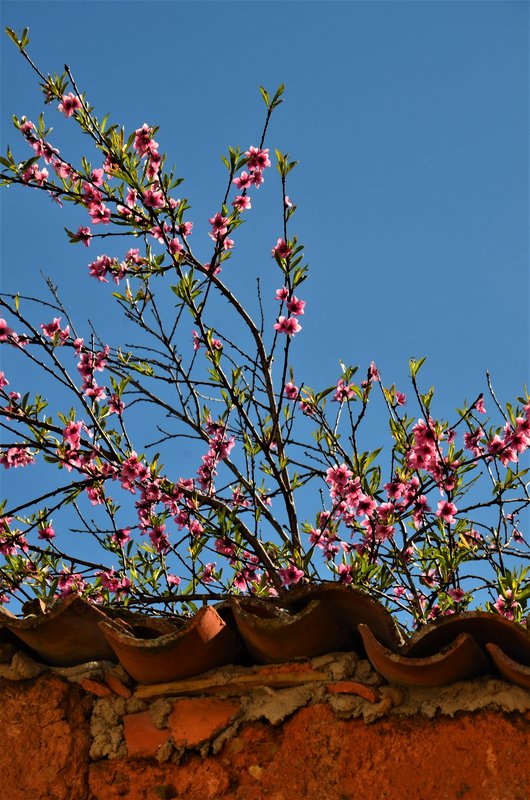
409,119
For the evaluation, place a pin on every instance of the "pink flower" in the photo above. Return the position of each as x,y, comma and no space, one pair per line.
84,235
373,372
290,575
446,511
143,140
208,573
173,580
47,533
219,226
122,536
186,228
98,177
290,391
479,405
99,213
154,199
296,307
175,247
282,294
343,392
281,249
287,201
115,405
69,103
401,398
3,381
17,456
257,159
290,326
132,196
244,181
242,203
5,330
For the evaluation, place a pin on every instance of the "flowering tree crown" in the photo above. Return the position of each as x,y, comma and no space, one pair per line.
428,524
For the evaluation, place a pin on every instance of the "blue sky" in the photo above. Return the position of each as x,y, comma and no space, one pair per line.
410,122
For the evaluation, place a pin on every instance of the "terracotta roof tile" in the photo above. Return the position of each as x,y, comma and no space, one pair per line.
206,641
304,623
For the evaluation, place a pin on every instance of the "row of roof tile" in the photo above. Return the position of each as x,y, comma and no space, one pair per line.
310,621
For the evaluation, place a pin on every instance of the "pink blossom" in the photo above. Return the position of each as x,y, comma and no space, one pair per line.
446,511
257,159
91,195
121,536
143,140
207,575
132,196
69,103
98,177
282,294
507,605
62,169
17,456
173,580
296,307
281,249
345,573
343,392
3,381
53,331
290,391
99,213
479,405
100,267
244,181
256,177
154,198
47,533
84,235
290,575
186,228
242,203
290,326
115,405
5,330
287,201
219,225
373,372
175,247
401,398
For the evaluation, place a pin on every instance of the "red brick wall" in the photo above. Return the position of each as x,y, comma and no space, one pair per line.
61,742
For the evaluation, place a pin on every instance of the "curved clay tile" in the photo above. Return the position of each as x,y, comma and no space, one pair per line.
483,626
272,635
510,669
350,607
462,659
201,644
66,635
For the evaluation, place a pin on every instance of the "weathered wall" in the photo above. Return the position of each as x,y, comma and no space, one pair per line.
327,729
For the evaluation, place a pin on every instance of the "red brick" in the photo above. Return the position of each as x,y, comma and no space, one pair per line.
142,737
116,685
352,687
195,719
100,689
